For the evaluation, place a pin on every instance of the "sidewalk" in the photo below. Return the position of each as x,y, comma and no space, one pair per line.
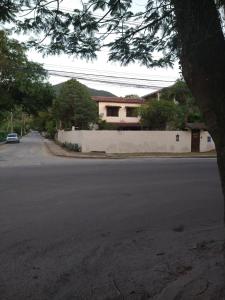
56,150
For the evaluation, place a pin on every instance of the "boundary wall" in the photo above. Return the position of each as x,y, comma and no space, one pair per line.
113,141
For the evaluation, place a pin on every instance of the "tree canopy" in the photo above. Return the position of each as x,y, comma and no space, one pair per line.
178,92
158,115
74,106
187,109
134,96
175,107
22,82
137,33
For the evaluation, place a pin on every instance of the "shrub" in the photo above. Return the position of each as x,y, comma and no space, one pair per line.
103,125
72,147
51,129
3,135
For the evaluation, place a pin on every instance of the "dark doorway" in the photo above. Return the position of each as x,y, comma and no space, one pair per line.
195,141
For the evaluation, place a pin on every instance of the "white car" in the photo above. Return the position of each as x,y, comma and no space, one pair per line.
12,138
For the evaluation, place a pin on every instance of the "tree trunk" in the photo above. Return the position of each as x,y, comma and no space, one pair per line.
202,55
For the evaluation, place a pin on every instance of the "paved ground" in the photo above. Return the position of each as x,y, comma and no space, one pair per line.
108,229
31,151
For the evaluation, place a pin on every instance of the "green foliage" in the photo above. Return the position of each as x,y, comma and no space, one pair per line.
22,86
72,147
39,121
187,108
178,92
36,97
180,119
140,32
74,106
158,115
16,121
45,122
21,82
3,135
195,116
133,96
103,125
8,9
51,129
81,33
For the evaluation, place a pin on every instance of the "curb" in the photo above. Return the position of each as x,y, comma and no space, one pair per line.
81,156
2,143
105,156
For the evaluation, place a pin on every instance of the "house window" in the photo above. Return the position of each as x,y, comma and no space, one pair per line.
112,111
131,112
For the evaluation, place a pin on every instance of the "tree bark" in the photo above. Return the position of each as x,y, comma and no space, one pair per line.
201,47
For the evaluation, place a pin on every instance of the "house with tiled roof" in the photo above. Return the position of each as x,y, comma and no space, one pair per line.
120,112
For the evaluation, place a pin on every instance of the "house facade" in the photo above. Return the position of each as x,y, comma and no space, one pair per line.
129,138
120,112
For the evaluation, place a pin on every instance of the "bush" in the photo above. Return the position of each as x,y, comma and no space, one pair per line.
158,115
72,147
3,135
103,125
51,129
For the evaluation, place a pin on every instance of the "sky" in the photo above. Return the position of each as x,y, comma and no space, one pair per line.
102,66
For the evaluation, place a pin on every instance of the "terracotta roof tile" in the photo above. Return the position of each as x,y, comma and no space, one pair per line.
118,99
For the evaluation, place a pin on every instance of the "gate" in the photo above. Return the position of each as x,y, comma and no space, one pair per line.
195,141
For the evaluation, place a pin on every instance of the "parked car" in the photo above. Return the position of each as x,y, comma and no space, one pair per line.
12,138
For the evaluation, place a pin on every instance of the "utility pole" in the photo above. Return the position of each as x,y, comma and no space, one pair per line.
11,120
21,125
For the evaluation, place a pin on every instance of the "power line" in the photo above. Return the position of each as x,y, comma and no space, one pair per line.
120,83
107,72
107,79
111,76
111,79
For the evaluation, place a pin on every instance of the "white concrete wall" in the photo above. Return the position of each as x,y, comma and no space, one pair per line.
122,118
112,141
206,142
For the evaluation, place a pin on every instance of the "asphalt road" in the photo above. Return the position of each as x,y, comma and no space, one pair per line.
31,151
99,229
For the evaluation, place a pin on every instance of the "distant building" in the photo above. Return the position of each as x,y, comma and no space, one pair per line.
120,112
153,95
